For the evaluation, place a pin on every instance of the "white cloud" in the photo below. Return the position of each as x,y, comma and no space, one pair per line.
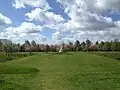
33,3
47,18
82,18
86,20
4,20
93,5
106,35
26,30
108,5
41,38
56,36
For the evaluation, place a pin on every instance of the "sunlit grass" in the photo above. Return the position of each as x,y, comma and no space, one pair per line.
65,71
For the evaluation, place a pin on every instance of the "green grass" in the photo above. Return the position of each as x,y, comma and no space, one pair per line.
114,55
66,71
15,55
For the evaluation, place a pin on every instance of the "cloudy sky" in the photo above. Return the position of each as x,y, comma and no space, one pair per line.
55,21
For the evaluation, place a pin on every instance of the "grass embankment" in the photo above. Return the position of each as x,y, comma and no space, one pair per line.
73,71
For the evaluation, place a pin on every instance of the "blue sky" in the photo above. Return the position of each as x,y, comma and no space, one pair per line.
31,20
17,16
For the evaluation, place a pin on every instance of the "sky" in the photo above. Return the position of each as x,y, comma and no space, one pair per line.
58,21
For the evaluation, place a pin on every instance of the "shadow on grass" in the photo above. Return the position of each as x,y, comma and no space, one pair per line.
17,70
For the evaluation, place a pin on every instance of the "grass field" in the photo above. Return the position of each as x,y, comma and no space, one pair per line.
67,71
114,55
15,55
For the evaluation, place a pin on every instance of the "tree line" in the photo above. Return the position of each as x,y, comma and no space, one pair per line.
77,46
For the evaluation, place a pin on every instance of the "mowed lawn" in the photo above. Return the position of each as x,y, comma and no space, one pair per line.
67,71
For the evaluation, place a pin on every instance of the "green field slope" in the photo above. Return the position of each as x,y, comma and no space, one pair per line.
67,71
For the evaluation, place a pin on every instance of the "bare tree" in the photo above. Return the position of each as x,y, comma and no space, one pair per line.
8,50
